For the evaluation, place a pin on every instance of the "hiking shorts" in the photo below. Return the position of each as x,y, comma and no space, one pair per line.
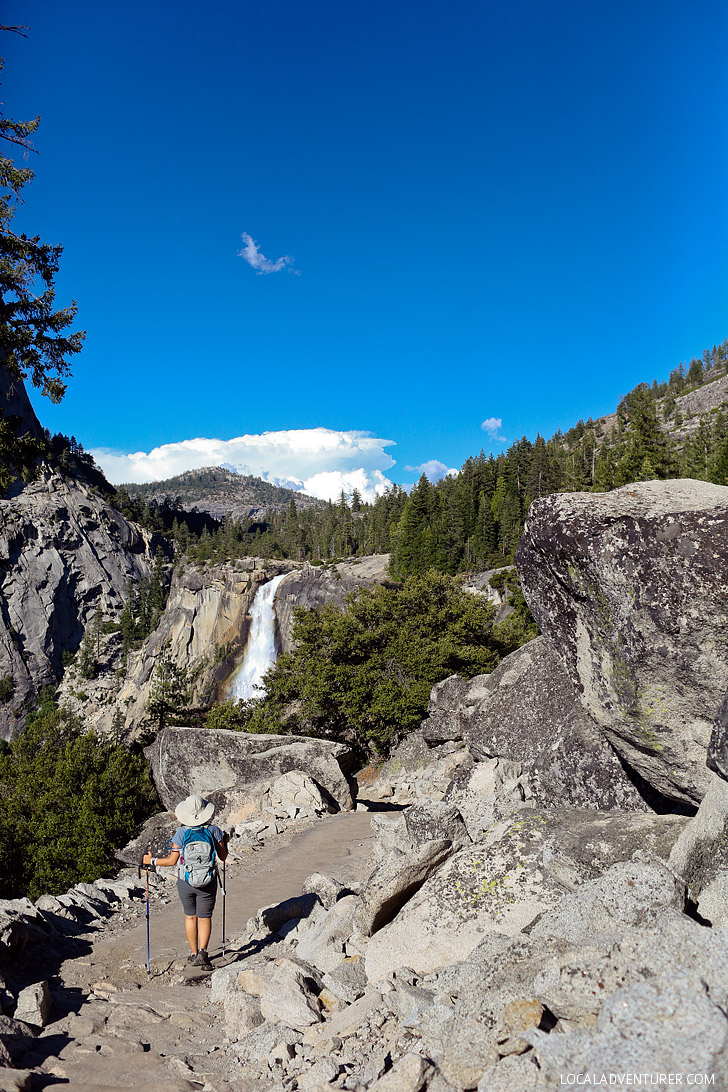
197,902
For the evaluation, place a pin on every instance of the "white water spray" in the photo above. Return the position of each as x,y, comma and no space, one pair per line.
260,651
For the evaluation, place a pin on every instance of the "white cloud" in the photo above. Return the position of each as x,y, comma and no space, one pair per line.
258,261
493,425
434,469
319,461
329,483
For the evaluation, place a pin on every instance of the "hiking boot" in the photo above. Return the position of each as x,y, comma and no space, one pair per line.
192,957
203,960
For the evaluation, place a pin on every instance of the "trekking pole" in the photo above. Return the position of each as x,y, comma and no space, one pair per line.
224,881
139,874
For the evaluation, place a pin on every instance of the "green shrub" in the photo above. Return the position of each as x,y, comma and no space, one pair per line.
235,714
6,688
68,800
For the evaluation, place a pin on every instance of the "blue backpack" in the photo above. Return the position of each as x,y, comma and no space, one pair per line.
197,858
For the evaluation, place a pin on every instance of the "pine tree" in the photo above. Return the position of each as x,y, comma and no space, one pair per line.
157,588
86,656
170,693
32,339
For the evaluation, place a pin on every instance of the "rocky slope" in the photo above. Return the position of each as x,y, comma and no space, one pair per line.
691,408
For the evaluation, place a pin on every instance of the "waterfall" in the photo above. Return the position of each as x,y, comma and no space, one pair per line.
260,651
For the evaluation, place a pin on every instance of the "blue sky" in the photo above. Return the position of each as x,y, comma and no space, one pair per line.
508,212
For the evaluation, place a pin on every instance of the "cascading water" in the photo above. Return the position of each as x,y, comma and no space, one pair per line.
260,651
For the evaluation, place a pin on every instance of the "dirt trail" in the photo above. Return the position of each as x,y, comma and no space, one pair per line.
330,845
136,1034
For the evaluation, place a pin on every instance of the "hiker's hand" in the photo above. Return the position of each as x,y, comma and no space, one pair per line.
147,859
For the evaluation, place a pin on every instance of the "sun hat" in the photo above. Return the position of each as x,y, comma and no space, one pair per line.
194,811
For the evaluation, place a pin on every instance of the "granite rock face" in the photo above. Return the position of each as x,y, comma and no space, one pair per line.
200,760
64,554
504,882
630,587
312,587
527,711
701,852
207,610
14,402
499,596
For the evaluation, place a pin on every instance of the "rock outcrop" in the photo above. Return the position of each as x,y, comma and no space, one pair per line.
608,974
14,402
64,554
312,587
506,880
498,593
630,589
204,630
231,764
527,711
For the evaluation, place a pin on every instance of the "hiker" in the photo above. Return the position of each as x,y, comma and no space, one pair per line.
195,845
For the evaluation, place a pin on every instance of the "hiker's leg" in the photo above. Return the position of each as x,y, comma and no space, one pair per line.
204,928
188,900
191,925
205,907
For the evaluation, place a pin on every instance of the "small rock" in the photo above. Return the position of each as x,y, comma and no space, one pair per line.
348,980
406,1075
514,1072
517,1016
34,1004
327,888
242,1014
286,999
322,1072
15,1080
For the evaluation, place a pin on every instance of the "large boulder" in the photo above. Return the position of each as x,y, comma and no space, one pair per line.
575,983
395,880
598,912
443,723
521,869
630,588
666,1026
486,791
527,711
416,770
416,825
200,760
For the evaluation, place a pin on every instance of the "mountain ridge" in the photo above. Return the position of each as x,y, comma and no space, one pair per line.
221,493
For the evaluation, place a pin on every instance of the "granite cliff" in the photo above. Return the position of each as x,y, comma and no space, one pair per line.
65,554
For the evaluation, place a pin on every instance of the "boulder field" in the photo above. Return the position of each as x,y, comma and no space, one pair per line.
545,899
